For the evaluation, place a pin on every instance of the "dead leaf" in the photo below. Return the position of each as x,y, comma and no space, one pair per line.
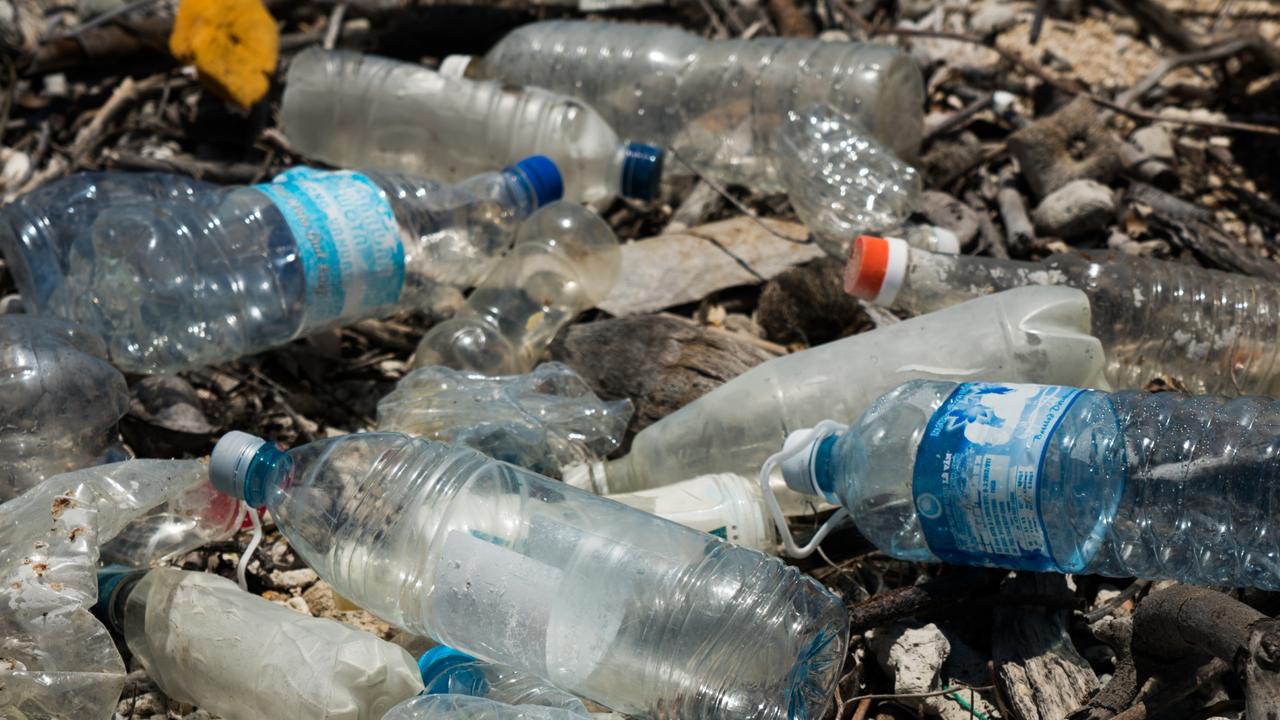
234,45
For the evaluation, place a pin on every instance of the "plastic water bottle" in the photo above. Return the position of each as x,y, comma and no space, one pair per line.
1023,335
1052,478
465,707
717,103
59,401
173,285
195,518
1216,332
726,505
547,420
205,641
37,229
364,111
446,671
565,260
612,604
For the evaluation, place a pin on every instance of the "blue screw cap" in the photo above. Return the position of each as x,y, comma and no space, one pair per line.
543,176
642,171
109,579
441,663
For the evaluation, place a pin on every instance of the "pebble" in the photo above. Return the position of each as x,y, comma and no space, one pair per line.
1077,208
290,579
1154,142
993,17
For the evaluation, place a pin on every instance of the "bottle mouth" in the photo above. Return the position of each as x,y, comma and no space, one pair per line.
542,177
876,268
441,664
642,171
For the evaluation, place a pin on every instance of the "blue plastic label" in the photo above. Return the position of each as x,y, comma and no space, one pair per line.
977,474
348,242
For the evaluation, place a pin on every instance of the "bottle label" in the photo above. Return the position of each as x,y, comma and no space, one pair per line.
977,474
348,242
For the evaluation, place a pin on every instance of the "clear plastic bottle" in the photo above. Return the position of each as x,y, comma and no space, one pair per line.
205,641
465,707
172,285
60,401
615,605
726,505
191,520
37,229
1052,478
363,111
446,671
716,103
1216,332
1023,335
565,260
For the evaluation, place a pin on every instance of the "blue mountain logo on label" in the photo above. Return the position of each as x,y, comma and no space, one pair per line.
977,474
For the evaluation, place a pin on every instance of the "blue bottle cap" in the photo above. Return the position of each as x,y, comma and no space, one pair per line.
544,178
438,667
642,171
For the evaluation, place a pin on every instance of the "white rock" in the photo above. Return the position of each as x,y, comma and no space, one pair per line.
1077,208
1154,142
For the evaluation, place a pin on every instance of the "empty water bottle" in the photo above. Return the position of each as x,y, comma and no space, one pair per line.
465,707
363,111
610,603
175,284
565,260
1216,332
717,103
205,641
59,401
1051,478
446,671
1024,335
191,520
37,229
726,505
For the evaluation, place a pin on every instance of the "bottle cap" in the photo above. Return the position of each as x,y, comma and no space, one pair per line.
109,579
454,66
229,463
876,269
797,469
543,176
435,665
642,171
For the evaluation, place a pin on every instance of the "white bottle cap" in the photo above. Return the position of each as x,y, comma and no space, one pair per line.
455,66
797,469
945,241
230,461
877,266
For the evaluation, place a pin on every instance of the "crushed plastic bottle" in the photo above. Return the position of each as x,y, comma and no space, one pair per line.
547,420
363,111
465,707
205,641
56,660
1022,335
177,284
60,401
37,229
1215,332
716,103
446,671
726,505
191,520
565,260
1052,478
615,605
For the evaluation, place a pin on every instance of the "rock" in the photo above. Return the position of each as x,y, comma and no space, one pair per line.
1070,144
807,304
992,17
1077,208
1154,142
914,656
290,579
947,212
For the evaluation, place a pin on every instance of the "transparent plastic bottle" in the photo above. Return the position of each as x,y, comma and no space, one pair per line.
1216,332
363,111
726,505
60,401
1023,335
205,641
174,284
465,707
565,260
191,520
37,229
612,604
1052,478
716,103
446,671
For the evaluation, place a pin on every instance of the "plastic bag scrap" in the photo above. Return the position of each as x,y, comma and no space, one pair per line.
56,659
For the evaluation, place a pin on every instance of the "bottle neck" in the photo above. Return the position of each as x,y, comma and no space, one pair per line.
269,470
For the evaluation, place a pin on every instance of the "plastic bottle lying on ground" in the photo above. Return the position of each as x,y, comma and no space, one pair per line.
364,111
446,671
716,103
191,520
726,505
610,603
37,229
60,401
1023,335
177,284
205,641
1052,478
466,707
565,260
1216,332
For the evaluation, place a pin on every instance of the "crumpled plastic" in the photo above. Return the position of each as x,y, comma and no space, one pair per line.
545,420
466,707
56,659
